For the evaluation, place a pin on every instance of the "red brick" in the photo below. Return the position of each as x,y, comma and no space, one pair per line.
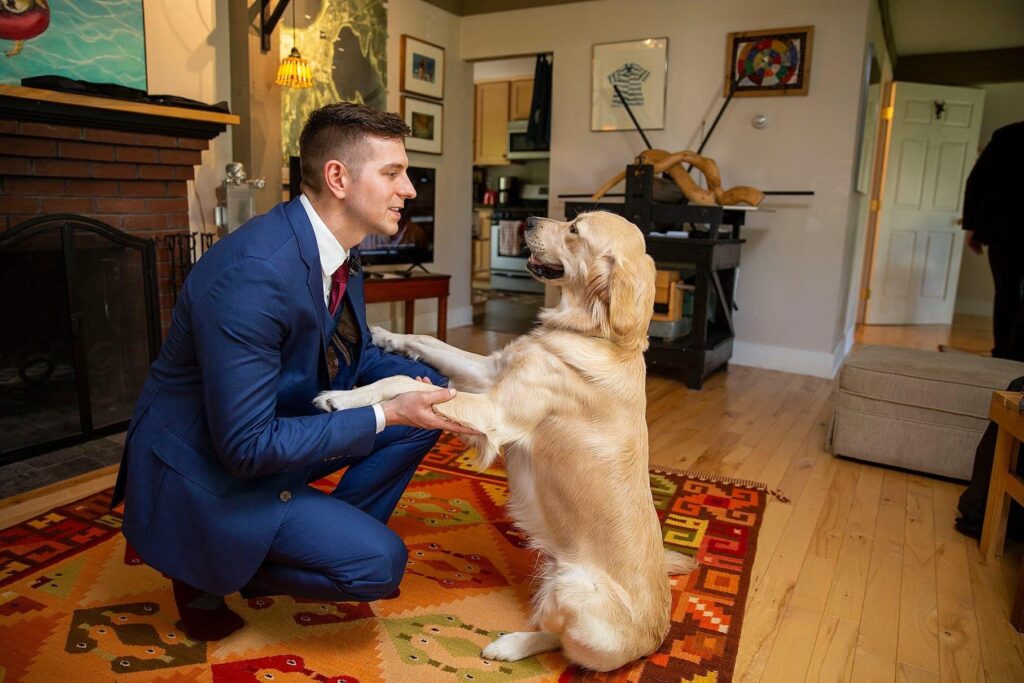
67,205
14,166
30,205
183,172
61,168
181,157
139,155
143,221
114,137
193,143
144,188
148,172
35,186
119,171
30,147
10,126
158,141
119,205
93,188
86,150
47,130
177,189
174,205
14,219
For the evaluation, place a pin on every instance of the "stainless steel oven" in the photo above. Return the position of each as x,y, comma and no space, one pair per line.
508,250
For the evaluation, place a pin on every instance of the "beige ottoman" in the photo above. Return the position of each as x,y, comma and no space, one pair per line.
920,410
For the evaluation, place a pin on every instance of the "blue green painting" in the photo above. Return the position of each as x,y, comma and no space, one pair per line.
102,41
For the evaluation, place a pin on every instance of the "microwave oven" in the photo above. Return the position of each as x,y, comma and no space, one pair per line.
521,149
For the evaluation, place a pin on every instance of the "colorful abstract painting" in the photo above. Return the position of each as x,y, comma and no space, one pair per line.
345,42
773,62
101,41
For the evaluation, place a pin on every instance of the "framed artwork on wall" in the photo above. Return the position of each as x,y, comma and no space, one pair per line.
638,68
102,41
426,119
422,68
772,62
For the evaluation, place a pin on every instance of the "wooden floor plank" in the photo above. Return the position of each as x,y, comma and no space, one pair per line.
832,657
918,630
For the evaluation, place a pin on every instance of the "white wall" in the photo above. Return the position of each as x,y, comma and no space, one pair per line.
187,56
1004,104
791,292
454,210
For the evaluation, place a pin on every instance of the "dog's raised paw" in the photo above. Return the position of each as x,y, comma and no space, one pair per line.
384,339
330,401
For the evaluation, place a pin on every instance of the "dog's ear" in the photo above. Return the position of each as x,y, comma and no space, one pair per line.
620,296
631,300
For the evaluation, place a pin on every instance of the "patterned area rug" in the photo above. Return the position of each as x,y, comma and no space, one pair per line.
73,607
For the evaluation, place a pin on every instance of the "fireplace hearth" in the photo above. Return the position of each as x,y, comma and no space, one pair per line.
79,326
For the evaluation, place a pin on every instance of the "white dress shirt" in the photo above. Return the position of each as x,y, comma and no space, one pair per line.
332,256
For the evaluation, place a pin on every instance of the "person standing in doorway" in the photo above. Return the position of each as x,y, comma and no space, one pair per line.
992,219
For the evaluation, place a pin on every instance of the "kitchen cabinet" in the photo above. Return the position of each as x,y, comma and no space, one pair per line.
520,99
490,125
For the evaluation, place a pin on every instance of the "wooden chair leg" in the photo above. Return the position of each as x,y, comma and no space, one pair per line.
997,508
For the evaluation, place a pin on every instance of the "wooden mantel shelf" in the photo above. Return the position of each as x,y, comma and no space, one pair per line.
52,106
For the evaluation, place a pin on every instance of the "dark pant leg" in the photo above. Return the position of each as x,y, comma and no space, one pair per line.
1007,263
336,547
375,484
326,549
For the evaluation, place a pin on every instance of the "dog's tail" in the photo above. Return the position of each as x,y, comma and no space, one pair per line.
678,563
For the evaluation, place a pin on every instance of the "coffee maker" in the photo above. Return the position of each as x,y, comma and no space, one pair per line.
508,191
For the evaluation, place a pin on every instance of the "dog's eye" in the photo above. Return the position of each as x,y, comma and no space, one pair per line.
573,230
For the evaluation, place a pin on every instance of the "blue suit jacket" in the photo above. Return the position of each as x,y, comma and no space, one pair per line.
225,423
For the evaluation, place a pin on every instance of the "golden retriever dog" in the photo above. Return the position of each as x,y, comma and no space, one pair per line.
566,403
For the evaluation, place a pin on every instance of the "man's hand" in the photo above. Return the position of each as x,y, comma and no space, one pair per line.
973,244
415,409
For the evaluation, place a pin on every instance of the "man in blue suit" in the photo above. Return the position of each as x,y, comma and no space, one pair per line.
225,436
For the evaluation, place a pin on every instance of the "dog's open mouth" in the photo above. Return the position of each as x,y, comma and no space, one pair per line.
545,271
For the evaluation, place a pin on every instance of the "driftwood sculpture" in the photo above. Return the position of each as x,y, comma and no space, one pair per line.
672,164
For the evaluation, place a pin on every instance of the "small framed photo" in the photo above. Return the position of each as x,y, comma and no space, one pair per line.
426,119
422,68
638,69
772,62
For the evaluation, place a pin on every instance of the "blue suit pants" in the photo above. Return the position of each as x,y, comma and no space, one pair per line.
337,547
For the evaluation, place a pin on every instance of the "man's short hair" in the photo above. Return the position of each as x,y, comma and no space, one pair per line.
338,131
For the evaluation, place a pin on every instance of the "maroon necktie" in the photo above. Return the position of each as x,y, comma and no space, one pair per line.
338,282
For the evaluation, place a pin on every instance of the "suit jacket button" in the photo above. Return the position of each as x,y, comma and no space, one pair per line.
284,496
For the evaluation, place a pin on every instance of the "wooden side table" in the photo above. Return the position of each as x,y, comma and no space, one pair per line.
408,289
1006,412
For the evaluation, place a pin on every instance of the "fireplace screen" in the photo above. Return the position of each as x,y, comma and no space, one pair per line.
80,325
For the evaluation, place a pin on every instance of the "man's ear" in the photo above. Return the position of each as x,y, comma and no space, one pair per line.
336,178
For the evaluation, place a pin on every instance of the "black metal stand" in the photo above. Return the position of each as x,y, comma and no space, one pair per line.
712,258
409,271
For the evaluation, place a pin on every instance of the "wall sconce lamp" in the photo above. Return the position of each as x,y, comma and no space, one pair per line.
294,71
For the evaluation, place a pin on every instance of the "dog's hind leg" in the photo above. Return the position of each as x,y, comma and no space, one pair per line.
515,646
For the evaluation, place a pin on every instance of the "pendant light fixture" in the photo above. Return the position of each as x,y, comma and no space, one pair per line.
294,71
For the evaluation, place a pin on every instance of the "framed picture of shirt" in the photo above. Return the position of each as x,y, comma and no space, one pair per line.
629,77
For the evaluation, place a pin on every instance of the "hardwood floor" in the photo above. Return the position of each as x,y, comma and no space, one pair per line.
861,576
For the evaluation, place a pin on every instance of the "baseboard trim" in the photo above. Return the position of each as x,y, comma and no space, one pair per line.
783,359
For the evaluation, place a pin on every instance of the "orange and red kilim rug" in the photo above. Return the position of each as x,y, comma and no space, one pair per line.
74,608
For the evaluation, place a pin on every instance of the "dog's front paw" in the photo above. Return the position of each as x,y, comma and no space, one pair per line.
330,401
385,339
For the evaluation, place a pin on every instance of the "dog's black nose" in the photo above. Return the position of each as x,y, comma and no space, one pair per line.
531,222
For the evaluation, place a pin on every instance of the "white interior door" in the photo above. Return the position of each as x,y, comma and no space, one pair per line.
918,244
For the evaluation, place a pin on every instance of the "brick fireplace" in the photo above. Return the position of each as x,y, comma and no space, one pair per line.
84,158
123,168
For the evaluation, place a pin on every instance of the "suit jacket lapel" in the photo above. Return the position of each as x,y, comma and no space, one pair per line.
311,257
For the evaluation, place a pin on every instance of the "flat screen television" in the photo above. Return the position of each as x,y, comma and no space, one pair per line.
413,244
